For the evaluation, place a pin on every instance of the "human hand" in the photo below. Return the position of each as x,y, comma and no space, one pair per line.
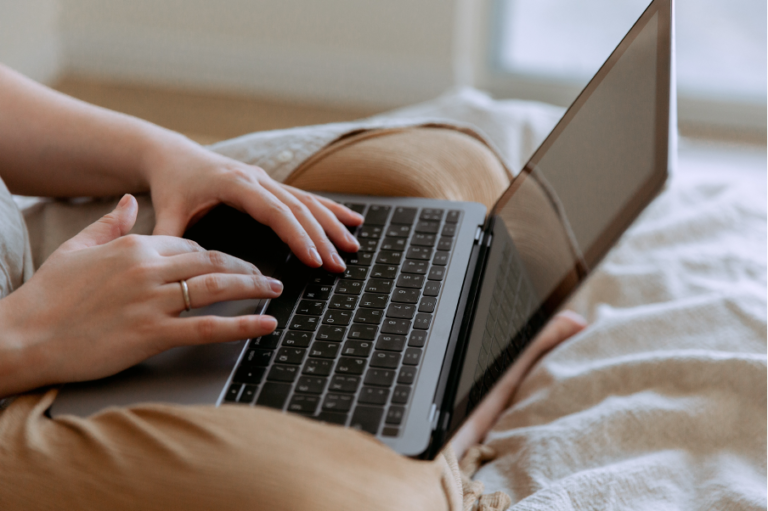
105,301
186,180
563,326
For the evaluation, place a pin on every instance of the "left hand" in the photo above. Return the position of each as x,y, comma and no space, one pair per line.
187,180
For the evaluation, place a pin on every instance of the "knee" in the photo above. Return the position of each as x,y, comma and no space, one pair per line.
420,162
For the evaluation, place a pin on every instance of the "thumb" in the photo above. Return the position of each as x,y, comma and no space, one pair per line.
107,228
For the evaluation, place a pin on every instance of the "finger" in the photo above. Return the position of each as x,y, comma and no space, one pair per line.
111,226
171,245
332,261
170,222
220,287
186,266
210,329
561,327
335,230
343,213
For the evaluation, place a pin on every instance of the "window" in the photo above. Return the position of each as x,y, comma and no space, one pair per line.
549,49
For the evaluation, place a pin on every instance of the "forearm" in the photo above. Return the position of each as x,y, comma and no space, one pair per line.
56,146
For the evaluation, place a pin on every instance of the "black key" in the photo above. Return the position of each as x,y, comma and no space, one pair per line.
304,404
267,341
436,273
380,377
383,271
249,392
356,272
417,339
441,258
410,281
290,356
431,214
399,231
362,332
373,396
403,216
357,348
419,253
311,385
389,257
412,357
367,418
368,245
274,395
407,375
401,394
332,418
377,215
453,216
322,278
251,375
281,309
338,402
423,240
308,323
342,383
396,244
324,349
395,415
402,295
360,258
349,287
330,333
370,316
373,301
432,288
318,367
427,227
417,267
283,373
390,342
390,431
396,326
422,321
385,359
381,286
370,232
344,302
348,365
445,243
401,310
315,292
449,230
257,357
428,304
310,307
337,317
232,392
357,208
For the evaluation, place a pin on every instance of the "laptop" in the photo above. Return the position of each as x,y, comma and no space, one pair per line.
443,296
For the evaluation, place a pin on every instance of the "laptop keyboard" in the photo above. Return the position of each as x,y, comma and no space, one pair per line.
347,348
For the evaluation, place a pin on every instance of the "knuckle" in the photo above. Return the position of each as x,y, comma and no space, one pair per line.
278,209
217,259
206,329
213,284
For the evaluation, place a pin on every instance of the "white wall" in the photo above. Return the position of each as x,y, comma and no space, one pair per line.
354,52
29,39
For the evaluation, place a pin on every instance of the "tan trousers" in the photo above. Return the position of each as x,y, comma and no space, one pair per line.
165,457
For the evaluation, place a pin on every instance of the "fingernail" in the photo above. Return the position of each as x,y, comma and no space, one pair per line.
338,260
275,285
352,240
315,255
360,217
268,322
124,200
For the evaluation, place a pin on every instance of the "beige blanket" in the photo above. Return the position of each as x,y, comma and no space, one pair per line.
661,402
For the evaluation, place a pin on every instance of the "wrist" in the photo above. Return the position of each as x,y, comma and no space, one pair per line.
20,369
160,148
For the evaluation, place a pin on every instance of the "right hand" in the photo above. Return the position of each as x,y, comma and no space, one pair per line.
105,301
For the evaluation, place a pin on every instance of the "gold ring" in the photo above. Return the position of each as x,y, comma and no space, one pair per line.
185,293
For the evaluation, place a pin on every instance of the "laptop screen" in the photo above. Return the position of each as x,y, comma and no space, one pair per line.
592,176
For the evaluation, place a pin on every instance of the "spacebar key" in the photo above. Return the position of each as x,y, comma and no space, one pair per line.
367,418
